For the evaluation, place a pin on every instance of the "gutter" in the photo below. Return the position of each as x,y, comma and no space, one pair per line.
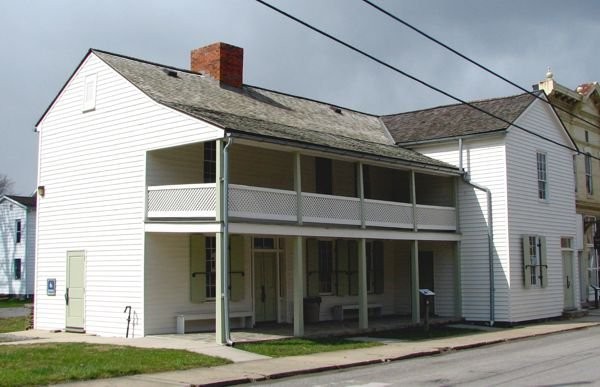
490,236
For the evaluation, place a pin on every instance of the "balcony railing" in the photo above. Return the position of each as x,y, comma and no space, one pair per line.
245,202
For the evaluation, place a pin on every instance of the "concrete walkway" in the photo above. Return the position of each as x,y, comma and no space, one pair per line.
249,367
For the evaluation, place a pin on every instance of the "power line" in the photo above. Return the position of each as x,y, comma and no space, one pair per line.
414,78
472,61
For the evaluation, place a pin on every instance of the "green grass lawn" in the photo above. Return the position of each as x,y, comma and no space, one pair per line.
13,324
13,303
418,333
42,364
297,346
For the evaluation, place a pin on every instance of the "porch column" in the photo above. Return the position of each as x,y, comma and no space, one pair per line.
414,275
363,310
457,281
220,331
413,200
360,189
298,186
298,274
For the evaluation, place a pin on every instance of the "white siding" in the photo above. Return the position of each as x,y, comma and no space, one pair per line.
29,265
551,218
444,264
484,159
10,250
93,168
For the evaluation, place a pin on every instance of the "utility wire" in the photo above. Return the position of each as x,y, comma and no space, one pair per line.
424,83
472,61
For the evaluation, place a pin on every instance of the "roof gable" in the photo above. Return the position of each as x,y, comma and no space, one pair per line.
22,201
456,120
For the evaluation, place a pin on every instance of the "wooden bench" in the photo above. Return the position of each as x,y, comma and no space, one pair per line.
196,316
338,310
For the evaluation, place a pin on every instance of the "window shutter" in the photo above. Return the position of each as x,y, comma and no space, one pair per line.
378,266
197,269
341,272
236,267
543,262
526,262
312,267
353,268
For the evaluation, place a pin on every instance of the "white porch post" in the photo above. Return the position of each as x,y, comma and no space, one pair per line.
414,271
360,186
413,200
220,331
298,268
363,311
298,186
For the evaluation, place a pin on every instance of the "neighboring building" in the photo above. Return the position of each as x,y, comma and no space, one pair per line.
583,102
533,201
151,173
17,245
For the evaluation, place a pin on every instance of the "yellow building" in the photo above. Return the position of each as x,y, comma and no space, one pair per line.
579,110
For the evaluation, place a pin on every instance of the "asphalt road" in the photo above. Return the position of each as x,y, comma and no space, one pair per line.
566,359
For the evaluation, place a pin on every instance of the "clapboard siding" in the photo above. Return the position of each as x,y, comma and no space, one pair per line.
93,166
10,212
444,264
528,215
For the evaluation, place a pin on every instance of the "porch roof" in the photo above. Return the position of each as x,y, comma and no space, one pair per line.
264,113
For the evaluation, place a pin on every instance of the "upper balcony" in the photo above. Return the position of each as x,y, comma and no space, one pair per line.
262,189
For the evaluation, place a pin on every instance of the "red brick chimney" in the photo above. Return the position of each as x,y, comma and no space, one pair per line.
220,61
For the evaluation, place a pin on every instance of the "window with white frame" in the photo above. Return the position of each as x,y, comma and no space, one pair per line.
17,269
535,265
374,258
542,176
210,161
593,268
18,231
89,93
211,266
589,183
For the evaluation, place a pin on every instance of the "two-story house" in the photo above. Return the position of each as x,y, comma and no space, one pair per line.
17,245
200,202
579,110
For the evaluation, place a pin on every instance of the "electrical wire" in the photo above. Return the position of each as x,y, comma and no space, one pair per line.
414,78
472,61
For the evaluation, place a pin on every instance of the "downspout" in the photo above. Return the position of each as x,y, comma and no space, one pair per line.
490,235
226,241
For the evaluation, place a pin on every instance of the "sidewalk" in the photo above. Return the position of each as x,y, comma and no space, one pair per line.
251,368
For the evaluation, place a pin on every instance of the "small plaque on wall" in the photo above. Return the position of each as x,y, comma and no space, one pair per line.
51,286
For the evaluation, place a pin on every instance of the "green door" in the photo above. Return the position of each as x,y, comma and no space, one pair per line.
265,286
75,292
569,288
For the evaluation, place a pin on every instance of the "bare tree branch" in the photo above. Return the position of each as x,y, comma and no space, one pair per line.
5,185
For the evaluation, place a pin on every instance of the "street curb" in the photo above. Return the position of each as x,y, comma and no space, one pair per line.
286,374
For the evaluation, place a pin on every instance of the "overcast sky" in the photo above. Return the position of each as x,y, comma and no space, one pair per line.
42,42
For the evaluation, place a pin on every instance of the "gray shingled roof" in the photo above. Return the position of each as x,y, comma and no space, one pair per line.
456,120
264,113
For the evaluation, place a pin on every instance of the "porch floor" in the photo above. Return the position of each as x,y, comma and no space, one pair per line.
273,331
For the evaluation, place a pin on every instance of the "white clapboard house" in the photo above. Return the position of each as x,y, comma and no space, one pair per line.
17,245
207,204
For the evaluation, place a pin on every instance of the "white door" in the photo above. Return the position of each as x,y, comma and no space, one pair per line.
568,283
75,292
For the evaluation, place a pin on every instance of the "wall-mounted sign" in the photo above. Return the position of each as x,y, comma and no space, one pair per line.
426,292
51,286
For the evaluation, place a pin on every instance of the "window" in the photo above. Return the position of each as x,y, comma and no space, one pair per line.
18,231
325,267
542,176
589,184
323,176
210,161
211,266
375,267
534,262
594,267
264,243
17,268
89,93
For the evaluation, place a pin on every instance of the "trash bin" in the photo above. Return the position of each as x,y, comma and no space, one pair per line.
312,309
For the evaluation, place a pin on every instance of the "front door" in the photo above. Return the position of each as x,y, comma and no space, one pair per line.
265,286
75,292
568,283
